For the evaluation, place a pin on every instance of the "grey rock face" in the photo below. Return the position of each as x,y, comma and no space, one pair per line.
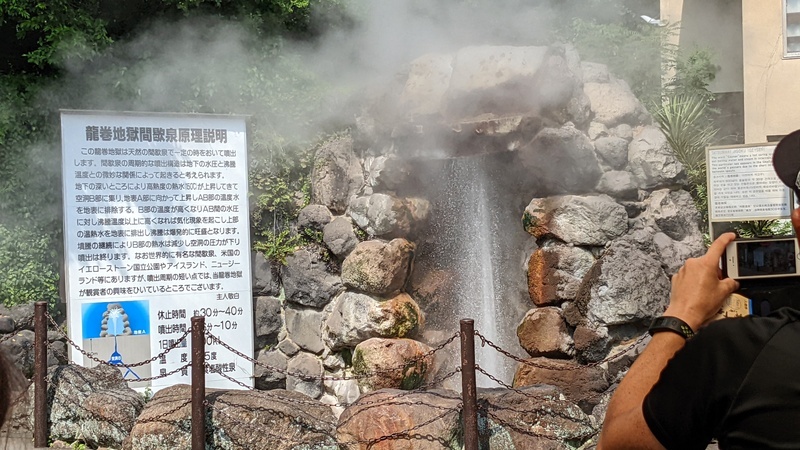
265,275
91,404
267,320
271,372
307,281
384,215
22,315
651,161
6,325
303,327
314,217
563,159
339,236
613,151
625,285
618,184
386,172
580,220
337,174
307,378
613,102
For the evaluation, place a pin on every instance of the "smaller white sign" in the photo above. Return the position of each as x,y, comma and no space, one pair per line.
743,185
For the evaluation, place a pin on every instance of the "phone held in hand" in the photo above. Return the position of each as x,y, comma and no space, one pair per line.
762,258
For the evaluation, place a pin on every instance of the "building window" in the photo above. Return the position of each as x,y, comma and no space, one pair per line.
792,28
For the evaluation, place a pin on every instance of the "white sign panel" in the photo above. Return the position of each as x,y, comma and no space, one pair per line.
743,185
155,232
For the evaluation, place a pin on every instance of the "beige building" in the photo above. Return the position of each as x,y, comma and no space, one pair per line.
756,44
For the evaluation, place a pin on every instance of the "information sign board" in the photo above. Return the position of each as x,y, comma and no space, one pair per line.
155,232
743,185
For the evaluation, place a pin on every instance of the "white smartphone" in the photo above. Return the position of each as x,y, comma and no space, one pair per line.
762,258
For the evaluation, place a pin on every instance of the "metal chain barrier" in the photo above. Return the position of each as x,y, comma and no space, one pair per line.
620,354
306,377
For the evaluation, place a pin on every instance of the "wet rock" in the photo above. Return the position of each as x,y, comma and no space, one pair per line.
612,293
613,151
555,273
378,267
387,172
618,184
588,220
434,416
543,332
390,363
357,317
536,417
582,385
384,215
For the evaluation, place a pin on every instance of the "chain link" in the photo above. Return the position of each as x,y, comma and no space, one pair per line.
527,362
159,417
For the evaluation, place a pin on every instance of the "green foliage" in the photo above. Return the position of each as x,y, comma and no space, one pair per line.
763,228
683,119
631,52
277,245
30,274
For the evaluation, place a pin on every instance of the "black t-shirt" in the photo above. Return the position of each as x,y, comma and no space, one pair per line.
737,380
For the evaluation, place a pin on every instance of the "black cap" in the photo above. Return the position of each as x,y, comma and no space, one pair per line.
786,161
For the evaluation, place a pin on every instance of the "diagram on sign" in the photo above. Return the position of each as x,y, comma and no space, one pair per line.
119,332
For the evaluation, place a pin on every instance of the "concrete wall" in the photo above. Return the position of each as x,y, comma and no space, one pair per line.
771,81
715,25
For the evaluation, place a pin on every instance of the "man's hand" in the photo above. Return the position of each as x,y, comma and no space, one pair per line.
698,289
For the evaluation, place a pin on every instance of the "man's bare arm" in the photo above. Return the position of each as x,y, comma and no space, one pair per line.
698,291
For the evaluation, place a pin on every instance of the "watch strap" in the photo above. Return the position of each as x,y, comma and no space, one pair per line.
673,324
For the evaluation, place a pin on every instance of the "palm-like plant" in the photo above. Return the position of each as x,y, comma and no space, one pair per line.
684,120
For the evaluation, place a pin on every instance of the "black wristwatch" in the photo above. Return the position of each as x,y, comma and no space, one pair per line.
673,324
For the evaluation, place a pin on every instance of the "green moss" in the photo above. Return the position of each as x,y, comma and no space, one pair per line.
413,374
529,222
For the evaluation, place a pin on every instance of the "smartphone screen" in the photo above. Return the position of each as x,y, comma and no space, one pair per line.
762,258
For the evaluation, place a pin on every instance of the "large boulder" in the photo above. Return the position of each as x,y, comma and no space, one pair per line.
582,385
235,419
612,100
337,175
378,267
391,363
613,293
579,220
555,273
563,160
543,332
305,375
267,320
418,420
307,279
384,215
304,328
536,417
355,317
94,405
652,161
270,369
340,237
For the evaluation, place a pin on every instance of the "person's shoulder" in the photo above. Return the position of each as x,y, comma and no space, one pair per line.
750,328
